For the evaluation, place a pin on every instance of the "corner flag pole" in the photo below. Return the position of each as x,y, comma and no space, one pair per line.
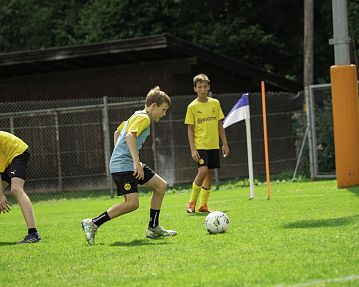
239,112
250,160
264,111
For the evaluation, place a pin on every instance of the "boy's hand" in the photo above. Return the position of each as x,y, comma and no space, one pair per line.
195,155
4,204
138,170
225,150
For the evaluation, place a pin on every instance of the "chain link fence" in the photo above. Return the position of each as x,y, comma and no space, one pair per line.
321,134
71,141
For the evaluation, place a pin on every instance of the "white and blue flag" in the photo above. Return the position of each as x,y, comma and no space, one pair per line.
239,112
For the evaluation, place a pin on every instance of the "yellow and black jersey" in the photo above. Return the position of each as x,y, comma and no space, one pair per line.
10,147
121,159
205,117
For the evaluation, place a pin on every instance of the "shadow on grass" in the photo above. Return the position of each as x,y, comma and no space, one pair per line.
69,194
204,214
331,222
59,195
354,190
7,243
199,214
141,242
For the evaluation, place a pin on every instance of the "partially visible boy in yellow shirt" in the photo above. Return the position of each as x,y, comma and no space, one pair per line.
204,119
14,156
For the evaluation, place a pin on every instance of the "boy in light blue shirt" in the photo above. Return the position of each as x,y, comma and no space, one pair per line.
128,171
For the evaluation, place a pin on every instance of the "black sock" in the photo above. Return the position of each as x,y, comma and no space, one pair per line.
101,219
154,215
31,230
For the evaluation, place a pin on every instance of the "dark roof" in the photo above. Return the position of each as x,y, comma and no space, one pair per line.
127,51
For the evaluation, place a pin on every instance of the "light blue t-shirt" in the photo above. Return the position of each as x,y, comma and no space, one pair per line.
121,159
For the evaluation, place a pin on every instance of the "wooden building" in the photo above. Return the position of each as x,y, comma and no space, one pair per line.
126,68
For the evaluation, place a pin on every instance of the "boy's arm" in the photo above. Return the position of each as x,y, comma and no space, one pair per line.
131,138
115,137
4,204
117,132
194,154
222,135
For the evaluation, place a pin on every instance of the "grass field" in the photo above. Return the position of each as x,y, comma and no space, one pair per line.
306,235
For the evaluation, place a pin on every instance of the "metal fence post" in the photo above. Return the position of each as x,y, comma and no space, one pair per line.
106,142
311,127
58,152
300,153
172,178
12,130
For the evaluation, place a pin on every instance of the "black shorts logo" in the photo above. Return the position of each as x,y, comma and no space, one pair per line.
201,161
127,186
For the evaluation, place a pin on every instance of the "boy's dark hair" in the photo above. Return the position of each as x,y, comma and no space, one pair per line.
200,78
158,97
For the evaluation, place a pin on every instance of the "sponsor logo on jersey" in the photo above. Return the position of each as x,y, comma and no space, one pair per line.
202,120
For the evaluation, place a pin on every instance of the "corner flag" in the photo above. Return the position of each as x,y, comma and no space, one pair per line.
238,113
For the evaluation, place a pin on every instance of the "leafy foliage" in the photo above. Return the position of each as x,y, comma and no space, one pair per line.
268,34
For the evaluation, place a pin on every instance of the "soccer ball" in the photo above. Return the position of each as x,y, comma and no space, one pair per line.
216,222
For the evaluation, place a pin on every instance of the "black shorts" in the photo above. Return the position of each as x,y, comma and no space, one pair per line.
17,168
127,183
209,158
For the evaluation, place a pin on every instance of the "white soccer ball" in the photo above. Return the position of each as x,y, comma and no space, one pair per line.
216,222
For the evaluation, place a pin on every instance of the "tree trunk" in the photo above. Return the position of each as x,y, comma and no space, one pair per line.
308,43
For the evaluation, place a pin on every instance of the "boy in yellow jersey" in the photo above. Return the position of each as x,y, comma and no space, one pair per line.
204,119
128,171
14,155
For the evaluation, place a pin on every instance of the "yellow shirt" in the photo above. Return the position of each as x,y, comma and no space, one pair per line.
10,147
204,117
137,124
120,127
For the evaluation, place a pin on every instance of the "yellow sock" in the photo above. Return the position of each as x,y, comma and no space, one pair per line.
195,192
204,196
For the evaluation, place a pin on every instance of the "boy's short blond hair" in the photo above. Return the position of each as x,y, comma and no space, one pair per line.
200,78
157,97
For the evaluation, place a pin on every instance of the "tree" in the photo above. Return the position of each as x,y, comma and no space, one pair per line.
268,33
308,43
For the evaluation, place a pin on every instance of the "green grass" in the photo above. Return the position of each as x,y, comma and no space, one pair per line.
306,235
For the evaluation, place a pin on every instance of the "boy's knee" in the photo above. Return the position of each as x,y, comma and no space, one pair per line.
133,205
202,172
164,186
161,188
17,190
